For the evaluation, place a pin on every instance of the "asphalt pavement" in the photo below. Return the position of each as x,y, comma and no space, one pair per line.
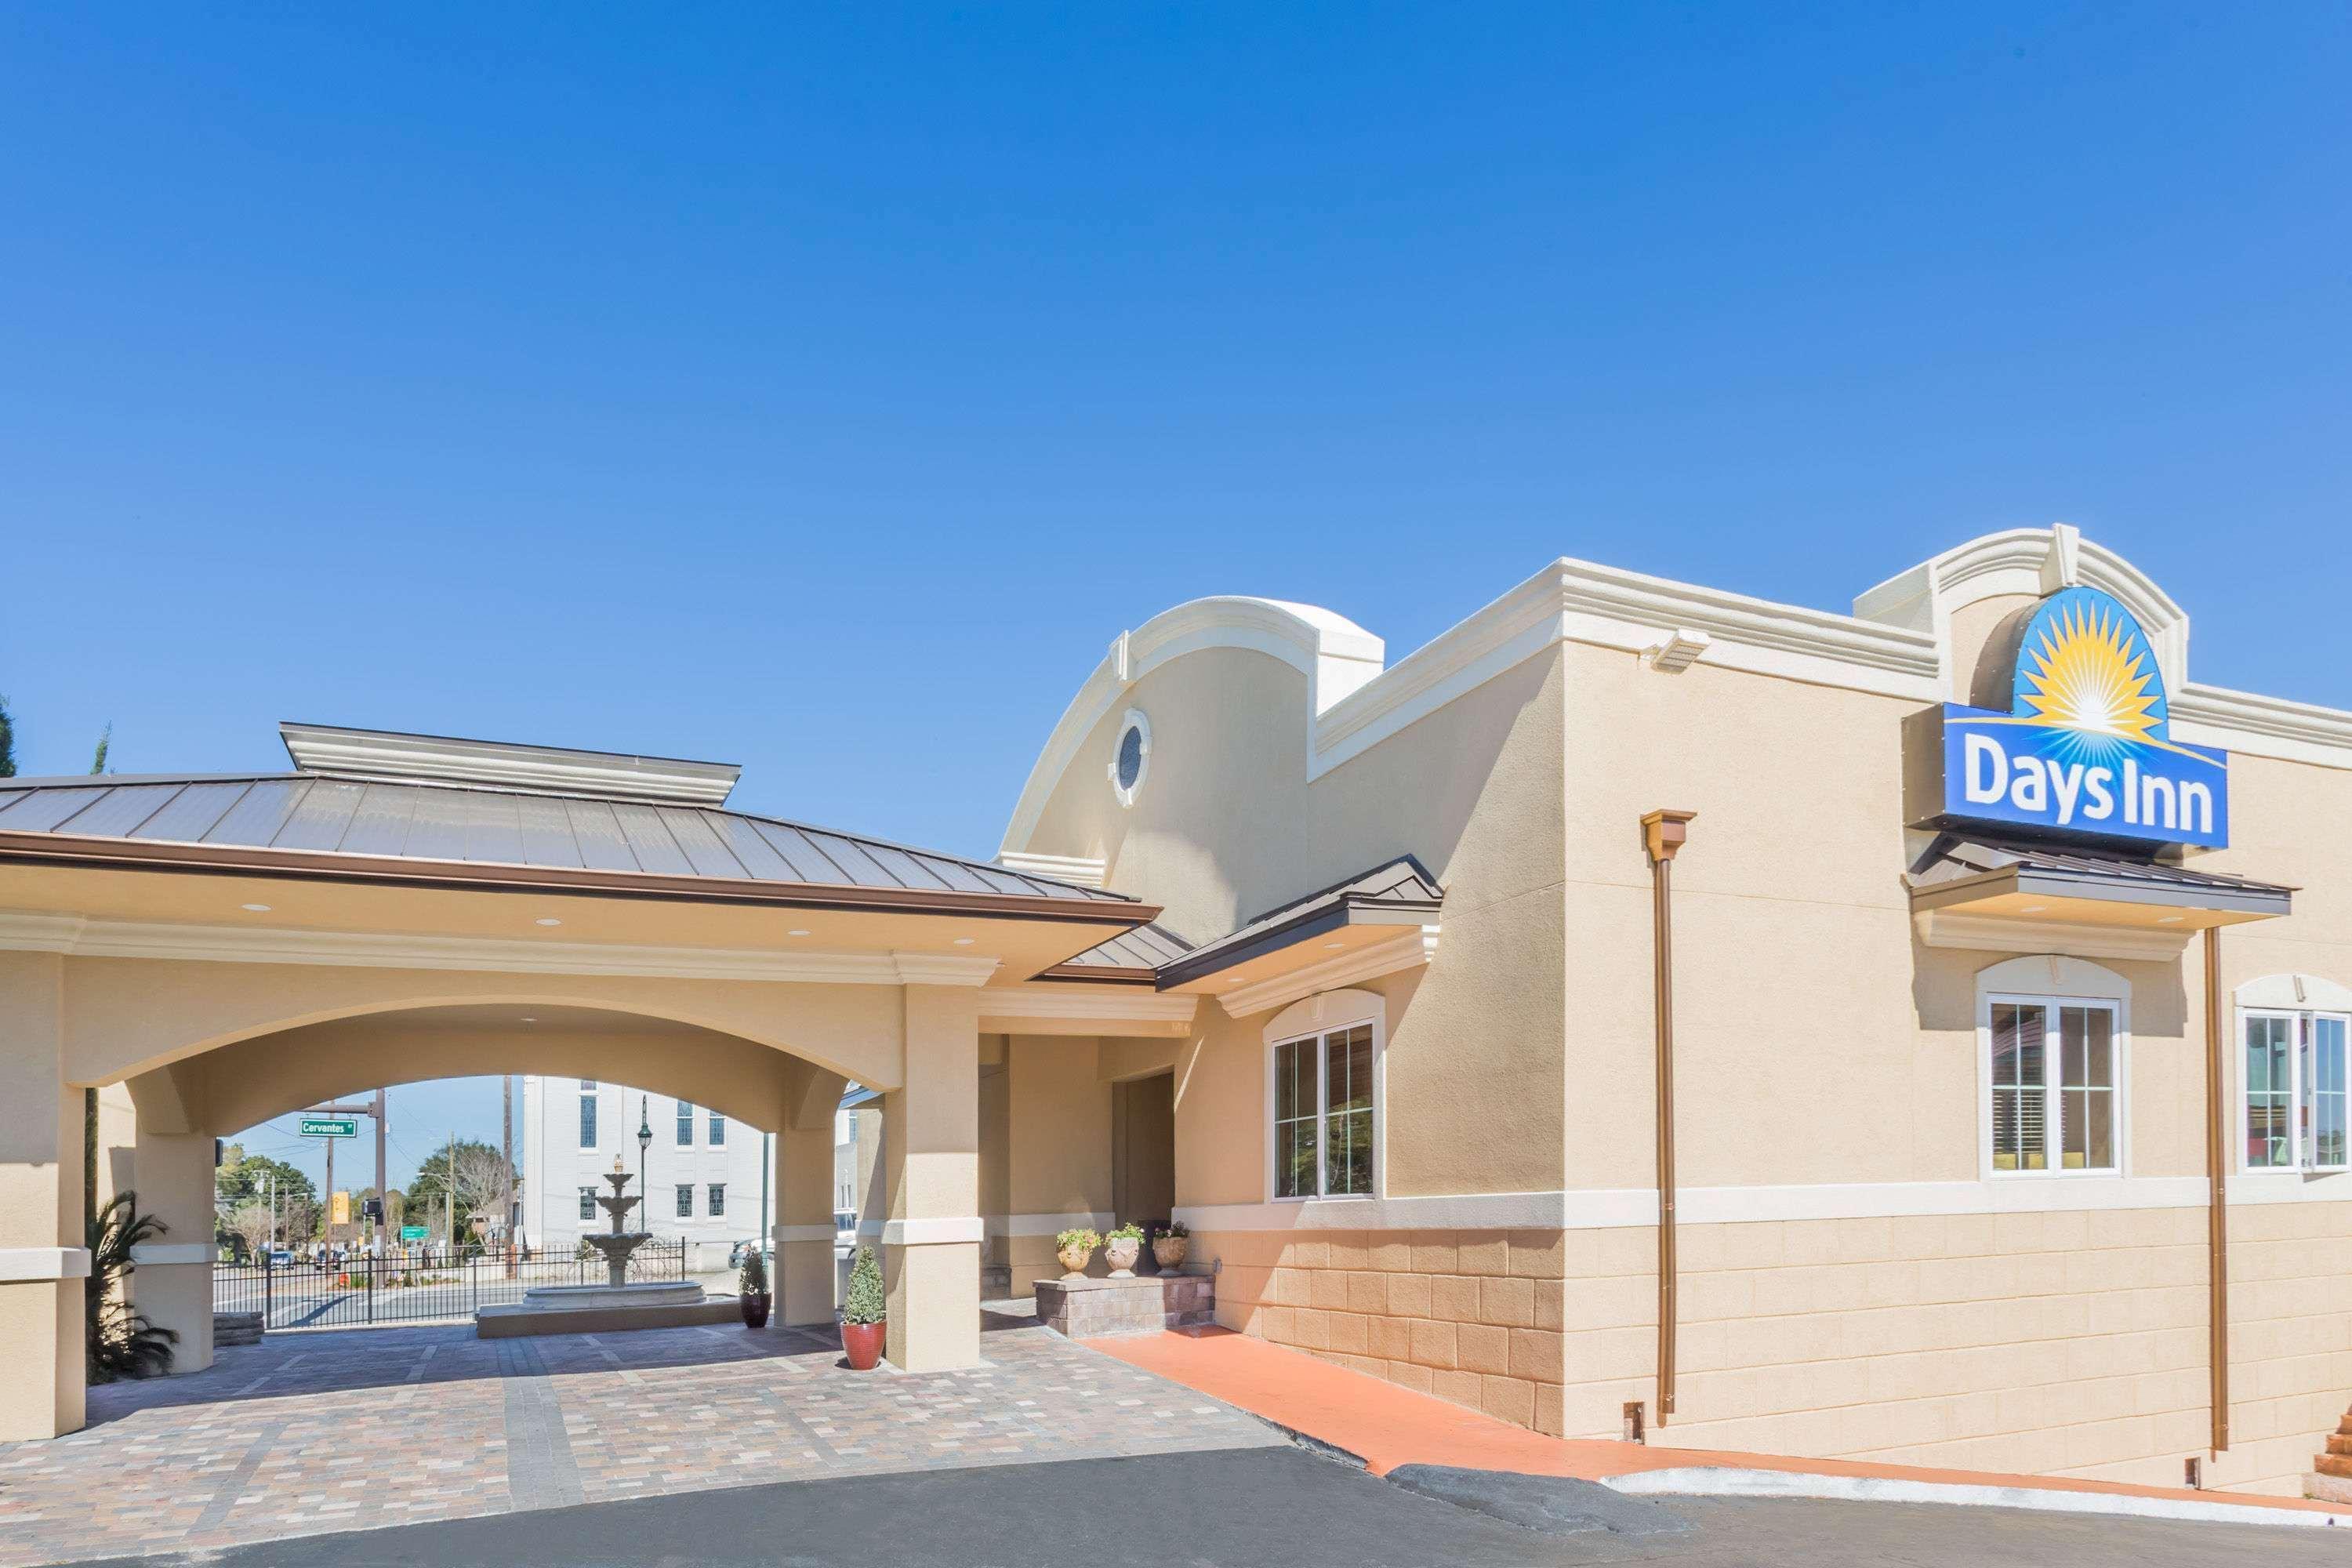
1248,1507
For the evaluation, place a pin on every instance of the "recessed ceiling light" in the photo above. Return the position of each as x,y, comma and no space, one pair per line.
1333,946
548,920
2168,920
963,942
797,931
531,1020
2035,909
258,909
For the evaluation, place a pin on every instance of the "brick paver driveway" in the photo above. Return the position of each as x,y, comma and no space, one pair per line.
346,1430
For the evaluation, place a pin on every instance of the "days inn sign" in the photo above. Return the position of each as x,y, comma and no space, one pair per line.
2086,746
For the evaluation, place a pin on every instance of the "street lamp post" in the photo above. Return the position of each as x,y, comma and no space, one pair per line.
645,1141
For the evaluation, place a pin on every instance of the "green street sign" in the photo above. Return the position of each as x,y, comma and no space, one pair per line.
331,1127
412,1233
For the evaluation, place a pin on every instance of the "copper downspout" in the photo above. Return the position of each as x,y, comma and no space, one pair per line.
1663,833
2217,1223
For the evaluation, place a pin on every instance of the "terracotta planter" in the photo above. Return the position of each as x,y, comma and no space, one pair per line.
755,1311
1120,1252
862,1343
1169,1251
1074,1261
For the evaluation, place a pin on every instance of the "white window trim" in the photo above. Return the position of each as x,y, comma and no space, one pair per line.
1132,719
1333,1012
2288,994
2054,981
2303,1018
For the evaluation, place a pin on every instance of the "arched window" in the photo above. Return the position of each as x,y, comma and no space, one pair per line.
2052,1068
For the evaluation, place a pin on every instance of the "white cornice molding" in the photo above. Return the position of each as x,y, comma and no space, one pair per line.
1414,946
81,938
437,759
1949,928
930,1232
1061,1007
1087,871
1011,1225
22,1264
168,1254
2262,726
1618,1208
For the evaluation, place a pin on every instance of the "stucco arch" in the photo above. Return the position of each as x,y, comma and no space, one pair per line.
124,1018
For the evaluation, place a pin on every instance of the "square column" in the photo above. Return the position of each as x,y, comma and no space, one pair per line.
931,1154
804,1272
43,1260
171,1277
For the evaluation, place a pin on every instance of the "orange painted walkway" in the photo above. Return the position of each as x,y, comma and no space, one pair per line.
1387,1426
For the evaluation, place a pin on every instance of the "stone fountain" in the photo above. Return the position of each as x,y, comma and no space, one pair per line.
619,1302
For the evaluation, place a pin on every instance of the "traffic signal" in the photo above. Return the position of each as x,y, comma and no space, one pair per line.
371,1209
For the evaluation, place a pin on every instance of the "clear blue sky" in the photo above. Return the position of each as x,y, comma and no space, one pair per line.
823,389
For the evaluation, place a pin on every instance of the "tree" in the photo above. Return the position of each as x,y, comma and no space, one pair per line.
7,742
481,1174
246,1178
105,745
253,1228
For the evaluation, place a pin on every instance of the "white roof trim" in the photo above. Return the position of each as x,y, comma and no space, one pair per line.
1087,871
437,759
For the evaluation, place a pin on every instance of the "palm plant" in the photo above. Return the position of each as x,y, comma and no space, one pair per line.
118,1340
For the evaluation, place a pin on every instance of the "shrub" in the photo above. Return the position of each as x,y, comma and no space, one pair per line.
118,1340
1130,1231
865,1301
753,1279
1069,1238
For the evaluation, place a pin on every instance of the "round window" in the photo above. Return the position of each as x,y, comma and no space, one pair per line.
1132,759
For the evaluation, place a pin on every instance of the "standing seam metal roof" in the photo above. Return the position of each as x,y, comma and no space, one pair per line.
322,813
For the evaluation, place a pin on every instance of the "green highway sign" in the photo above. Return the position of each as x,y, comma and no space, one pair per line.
412,1233
331,1127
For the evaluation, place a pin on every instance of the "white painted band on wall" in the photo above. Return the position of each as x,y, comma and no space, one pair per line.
788,1233
1046,1224
1616,1209
930,1232
870,1232
18,1264
171,1252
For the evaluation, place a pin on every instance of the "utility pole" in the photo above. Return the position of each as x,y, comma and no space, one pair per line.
331,1188
449,1198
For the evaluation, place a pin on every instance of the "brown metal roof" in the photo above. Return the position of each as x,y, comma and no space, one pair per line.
1133,955
1955,861
320,824
1398,892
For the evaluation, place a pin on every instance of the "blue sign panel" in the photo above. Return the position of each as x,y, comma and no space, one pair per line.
2086,746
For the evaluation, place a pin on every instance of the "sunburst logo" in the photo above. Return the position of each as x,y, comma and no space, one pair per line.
2089,672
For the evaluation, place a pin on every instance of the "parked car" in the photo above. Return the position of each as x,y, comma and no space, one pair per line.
280,1258
742,1249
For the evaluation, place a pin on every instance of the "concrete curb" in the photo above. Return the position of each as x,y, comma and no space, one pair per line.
1726,1482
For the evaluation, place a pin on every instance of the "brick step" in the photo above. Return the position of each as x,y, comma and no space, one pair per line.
2345,1426
2338,1465
236,1329
2339,1443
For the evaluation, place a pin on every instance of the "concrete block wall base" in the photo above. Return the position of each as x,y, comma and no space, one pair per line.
1106,1309
513,1322
236,1329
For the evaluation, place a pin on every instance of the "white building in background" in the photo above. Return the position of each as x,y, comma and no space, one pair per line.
702,1172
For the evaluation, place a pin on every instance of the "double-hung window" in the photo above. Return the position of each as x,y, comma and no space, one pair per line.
1323,1121
588,1120
685,1200
2294,1087
587,1203
685,1124
717,1199
717,1130
2055,1084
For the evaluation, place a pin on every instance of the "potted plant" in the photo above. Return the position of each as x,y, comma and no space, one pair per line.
864,1313
1169,1247
1120,1249
1074,1248
751,1290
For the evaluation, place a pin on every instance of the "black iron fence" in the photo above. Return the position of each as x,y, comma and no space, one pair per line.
413,1284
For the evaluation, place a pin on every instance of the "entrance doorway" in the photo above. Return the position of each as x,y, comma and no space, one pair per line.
1143,1152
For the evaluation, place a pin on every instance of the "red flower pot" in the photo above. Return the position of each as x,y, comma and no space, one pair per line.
862,1343
755,1311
